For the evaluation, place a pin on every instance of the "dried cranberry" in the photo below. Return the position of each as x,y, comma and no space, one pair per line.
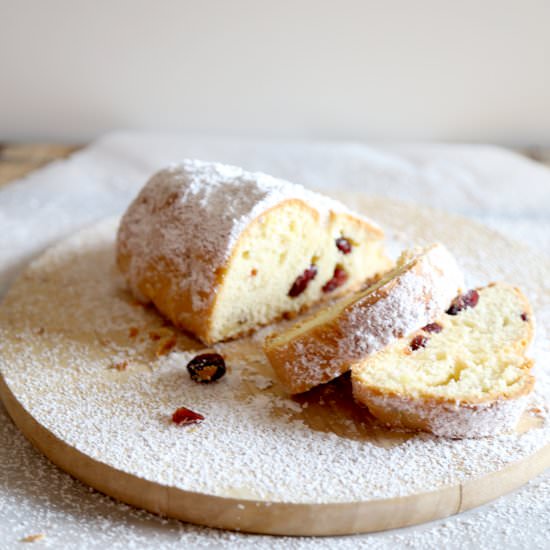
470,299
183,415
419,341
524,317
339,277
433,327
207,367
343,245
301,282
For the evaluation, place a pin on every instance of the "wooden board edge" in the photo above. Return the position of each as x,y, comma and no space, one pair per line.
484,489
273,518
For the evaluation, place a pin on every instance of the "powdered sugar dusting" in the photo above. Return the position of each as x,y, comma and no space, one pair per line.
223,200
256,442
420,295
453,419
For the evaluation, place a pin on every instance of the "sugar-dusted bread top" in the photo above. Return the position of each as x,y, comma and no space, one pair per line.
324,345
179,238
462,375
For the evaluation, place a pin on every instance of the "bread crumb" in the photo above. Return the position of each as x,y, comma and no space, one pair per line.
161,332
165,346
34,538
120,366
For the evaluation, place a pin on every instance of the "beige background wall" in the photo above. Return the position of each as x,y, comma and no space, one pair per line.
431,70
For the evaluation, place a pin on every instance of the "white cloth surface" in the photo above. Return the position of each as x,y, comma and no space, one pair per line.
497,187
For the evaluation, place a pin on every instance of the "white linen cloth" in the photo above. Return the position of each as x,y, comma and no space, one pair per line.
492,185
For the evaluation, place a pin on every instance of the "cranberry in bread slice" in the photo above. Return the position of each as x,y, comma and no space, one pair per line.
463,375
324,345
220,251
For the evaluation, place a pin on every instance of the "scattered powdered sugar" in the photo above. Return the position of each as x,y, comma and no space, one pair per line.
258,444
37,497
162,221
260,381
72,516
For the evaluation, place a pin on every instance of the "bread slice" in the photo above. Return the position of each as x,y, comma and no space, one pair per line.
325,345
464,375
221,251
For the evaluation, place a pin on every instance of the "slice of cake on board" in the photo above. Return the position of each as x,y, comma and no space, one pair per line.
323,346
221,251
463,375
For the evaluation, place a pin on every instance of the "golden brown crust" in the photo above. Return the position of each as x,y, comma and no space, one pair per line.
156,280
320,346
445,417
375,231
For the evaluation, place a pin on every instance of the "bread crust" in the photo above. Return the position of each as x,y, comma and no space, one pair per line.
469,418
399,306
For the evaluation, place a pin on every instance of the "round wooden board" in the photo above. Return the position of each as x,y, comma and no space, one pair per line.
92,382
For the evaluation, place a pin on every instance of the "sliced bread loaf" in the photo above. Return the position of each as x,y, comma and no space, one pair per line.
464,375
324,345
221,251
